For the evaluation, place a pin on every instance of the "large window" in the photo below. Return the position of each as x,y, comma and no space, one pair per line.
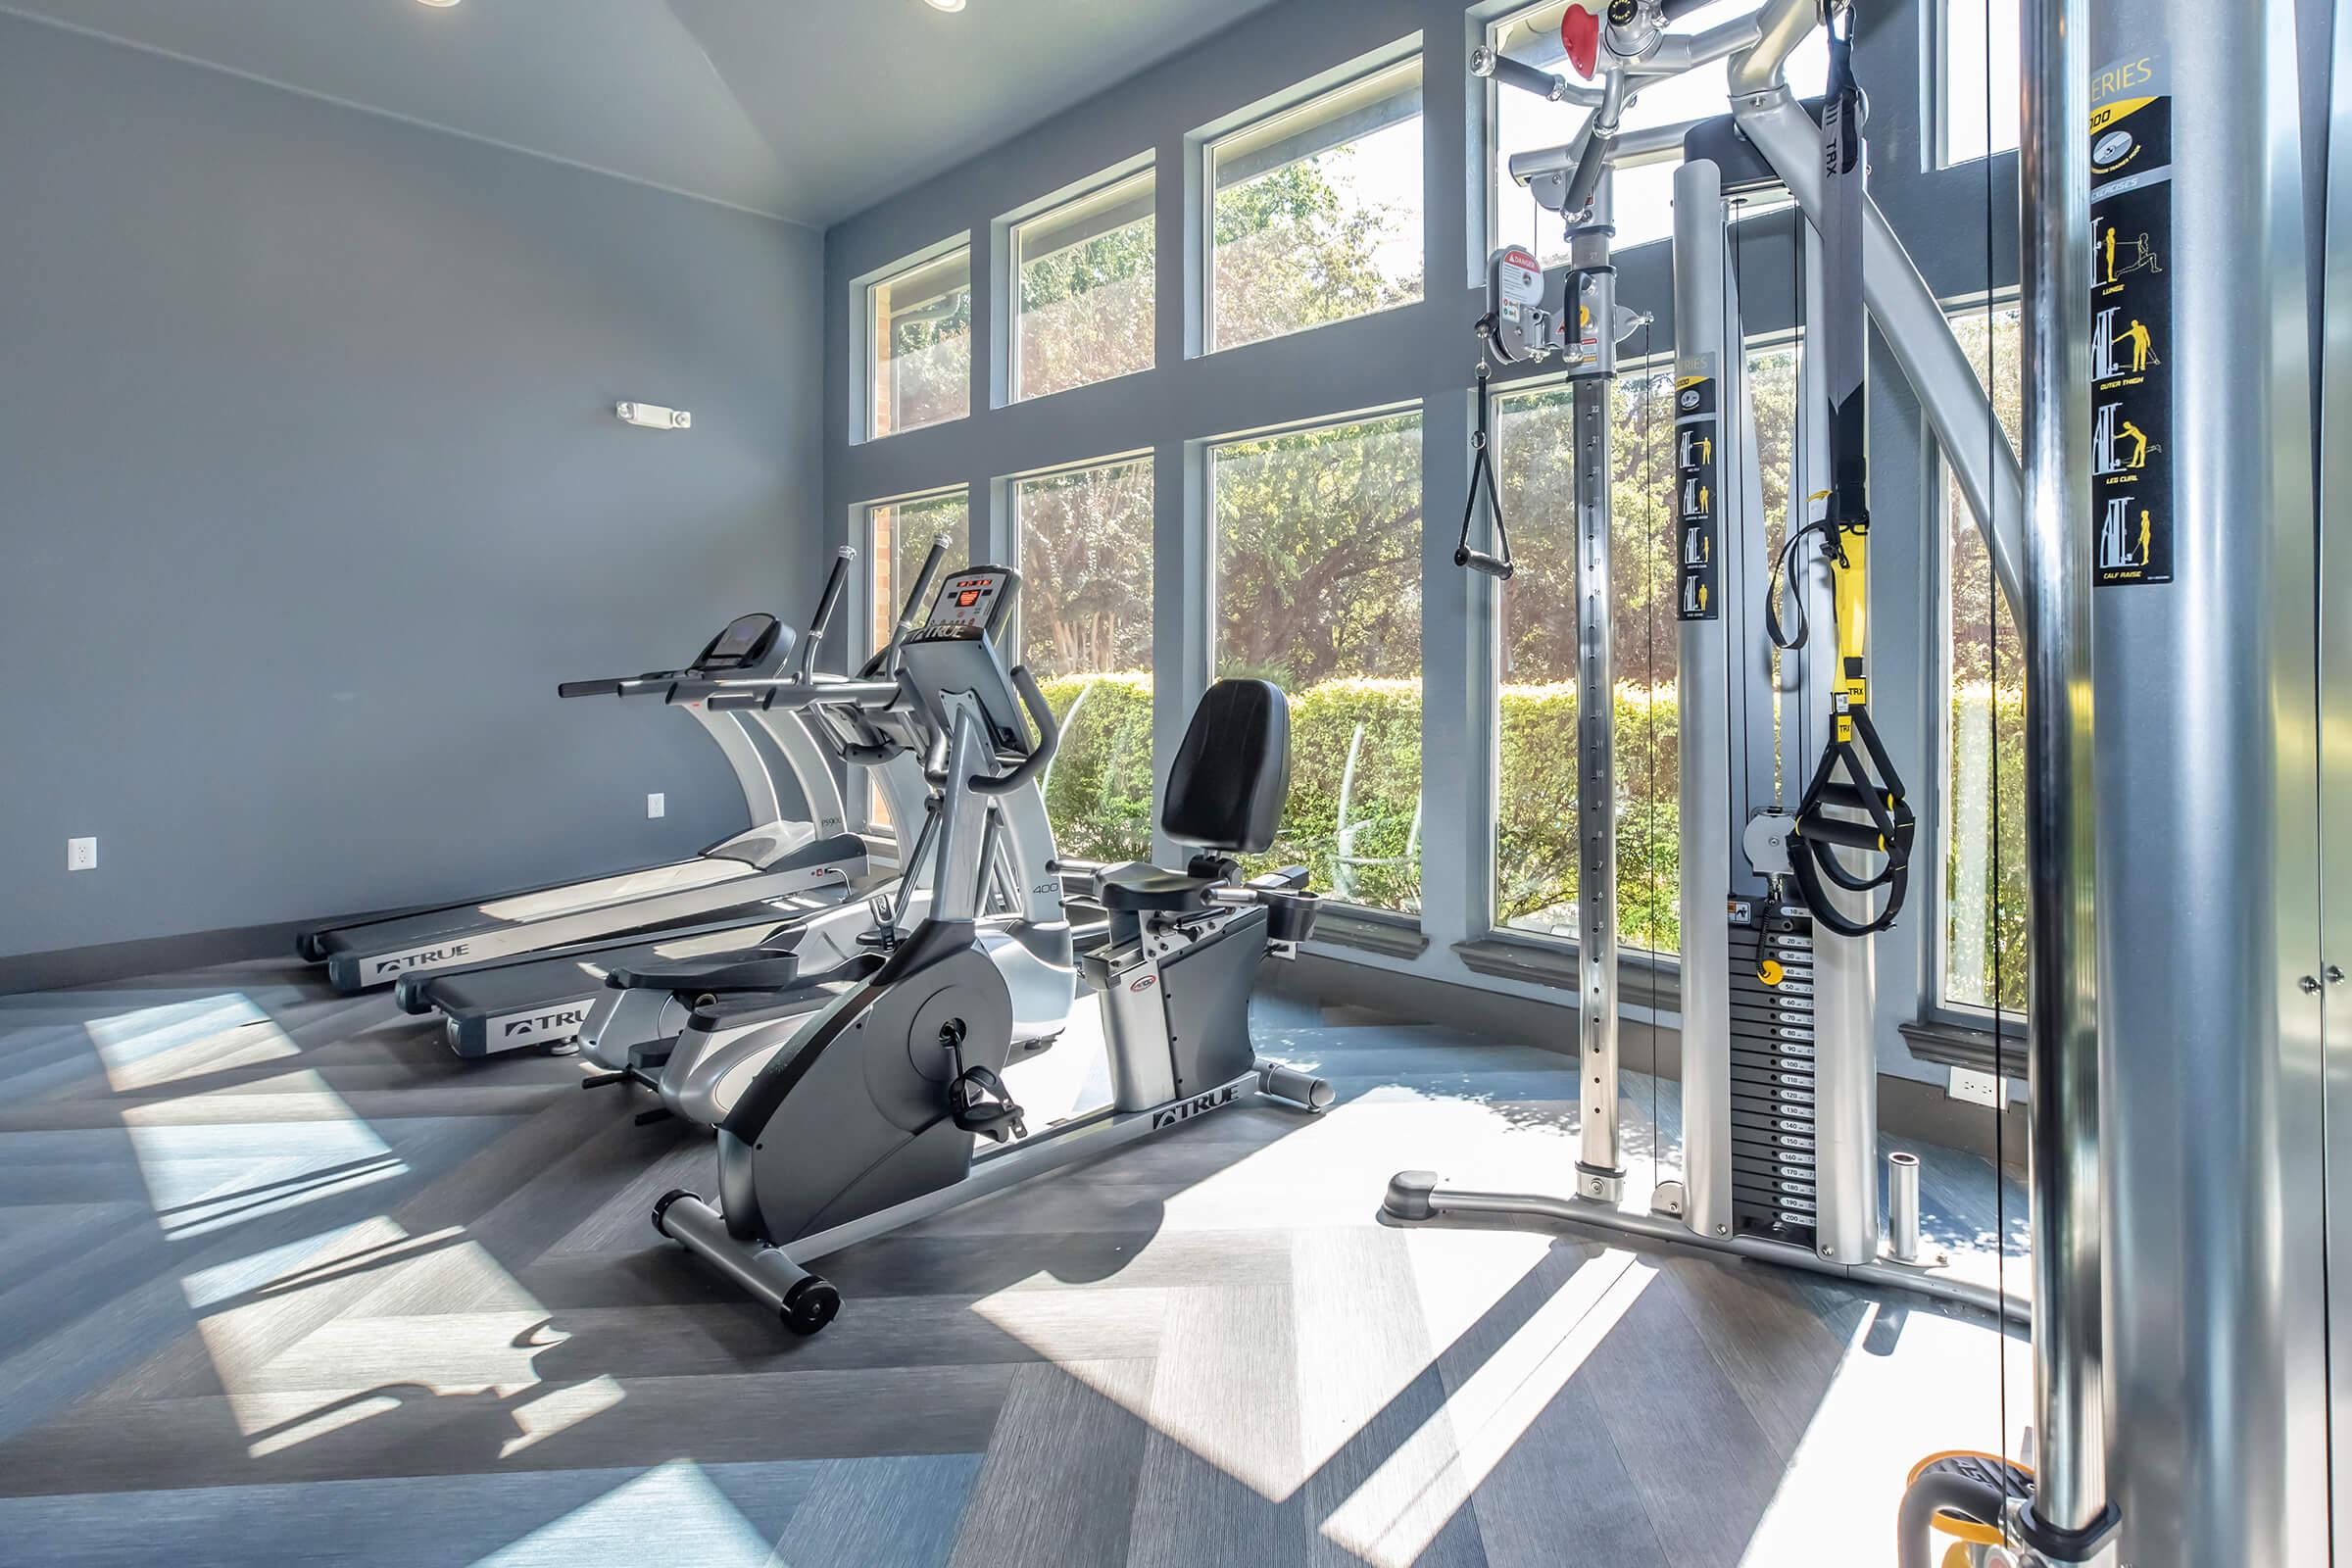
1318,589
1085,633
1085,309
898,535
1974,46
1643,196
1536,793
1984,817
1315,211
918,326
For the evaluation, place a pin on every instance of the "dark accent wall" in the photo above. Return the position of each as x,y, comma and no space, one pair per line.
310,490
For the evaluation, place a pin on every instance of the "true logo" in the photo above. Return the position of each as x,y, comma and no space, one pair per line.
425,959
1186,1110
567,1018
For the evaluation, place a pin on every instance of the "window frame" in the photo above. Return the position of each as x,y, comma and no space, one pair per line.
1202,457
1005,252
1203,144
1937,1004
864,369
1936,97
1007,491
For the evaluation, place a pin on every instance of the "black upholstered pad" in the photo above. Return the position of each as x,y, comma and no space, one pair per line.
1226,786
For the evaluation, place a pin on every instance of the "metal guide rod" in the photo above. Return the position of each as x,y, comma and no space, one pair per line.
1600,1164
2060,794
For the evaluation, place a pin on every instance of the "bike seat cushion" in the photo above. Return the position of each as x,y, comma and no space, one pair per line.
1226,786
1137,888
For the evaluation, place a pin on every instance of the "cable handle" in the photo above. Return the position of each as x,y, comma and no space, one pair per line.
1499,565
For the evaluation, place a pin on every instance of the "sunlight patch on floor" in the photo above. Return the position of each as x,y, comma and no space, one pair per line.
663,1518
1393,1517
162,1045
1872,1426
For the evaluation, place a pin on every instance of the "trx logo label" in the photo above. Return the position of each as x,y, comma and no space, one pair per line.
422,958
1185,1110
1145,983
569,1018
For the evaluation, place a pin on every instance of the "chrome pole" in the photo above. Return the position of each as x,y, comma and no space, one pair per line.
2070,1502
1600,1158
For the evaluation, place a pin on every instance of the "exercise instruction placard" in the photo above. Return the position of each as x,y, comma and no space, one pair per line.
1697,474
2130,331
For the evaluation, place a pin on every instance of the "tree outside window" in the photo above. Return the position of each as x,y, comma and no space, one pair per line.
1085,633
1536,796
920,327
1086,276
1318,589
1315,211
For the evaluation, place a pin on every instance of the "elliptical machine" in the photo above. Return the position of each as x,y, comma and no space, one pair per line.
696,1030
870,1119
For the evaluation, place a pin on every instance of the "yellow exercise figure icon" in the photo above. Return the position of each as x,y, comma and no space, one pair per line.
2144,536
2137,334
2140,453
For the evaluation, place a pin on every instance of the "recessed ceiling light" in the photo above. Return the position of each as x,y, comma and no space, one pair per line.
935,5
441,3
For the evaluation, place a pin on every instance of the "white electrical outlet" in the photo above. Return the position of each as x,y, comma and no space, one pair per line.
1977,1088
655,805
81,855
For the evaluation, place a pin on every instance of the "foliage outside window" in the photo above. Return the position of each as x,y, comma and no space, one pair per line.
1975,50
1643,197
1085,632
1535,794
1318,589
919,336
1086,308
1315,211
1984,802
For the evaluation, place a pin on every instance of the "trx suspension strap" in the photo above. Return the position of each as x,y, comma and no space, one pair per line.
1855,775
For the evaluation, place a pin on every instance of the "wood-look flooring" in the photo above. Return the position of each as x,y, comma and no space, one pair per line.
282,1281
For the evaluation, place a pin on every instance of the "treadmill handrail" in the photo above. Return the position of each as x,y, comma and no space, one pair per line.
765,693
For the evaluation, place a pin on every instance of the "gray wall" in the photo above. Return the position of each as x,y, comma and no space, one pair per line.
1422,352
311,491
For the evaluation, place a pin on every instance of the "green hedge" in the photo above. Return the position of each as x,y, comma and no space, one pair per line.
1100,797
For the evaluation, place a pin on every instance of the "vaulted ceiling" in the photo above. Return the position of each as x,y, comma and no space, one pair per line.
808,109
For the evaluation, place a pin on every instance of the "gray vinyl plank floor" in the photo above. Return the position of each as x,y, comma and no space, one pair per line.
286,1283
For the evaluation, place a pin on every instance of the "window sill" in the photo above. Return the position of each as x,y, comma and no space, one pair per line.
1947,1044
1393,935
1644,980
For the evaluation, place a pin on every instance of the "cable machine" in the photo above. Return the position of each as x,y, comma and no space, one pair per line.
1782,900
2185,175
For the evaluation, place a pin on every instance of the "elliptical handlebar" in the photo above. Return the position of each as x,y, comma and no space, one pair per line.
1048,740
910,614
836,583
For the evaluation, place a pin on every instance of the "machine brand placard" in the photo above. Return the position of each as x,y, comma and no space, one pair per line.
1697,490
2131,329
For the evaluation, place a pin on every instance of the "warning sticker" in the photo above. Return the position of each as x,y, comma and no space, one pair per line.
2130,339
1698,475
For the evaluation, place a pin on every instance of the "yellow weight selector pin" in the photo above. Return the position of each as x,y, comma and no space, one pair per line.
1770,972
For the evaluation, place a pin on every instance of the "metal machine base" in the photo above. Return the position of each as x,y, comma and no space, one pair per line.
1417,1196
777,1277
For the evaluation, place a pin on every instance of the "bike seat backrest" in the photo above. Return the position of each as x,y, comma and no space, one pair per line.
1226,786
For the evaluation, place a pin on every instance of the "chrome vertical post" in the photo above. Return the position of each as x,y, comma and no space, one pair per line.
1600,1158
2060,794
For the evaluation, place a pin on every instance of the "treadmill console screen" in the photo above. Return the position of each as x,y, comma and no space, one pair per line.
743,638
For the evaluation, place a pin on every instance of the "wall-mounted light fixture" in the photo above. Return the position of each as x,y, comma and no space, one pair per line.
935,5
654,417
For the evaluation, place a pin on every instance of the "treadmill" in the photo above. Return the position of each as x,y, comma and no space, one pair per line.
727,883
550,1002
